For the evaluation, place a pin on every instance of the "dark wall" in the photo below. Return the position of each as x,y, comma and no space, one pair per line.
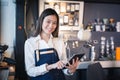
20,73
21,36
96,37
93,11
101,10
0,21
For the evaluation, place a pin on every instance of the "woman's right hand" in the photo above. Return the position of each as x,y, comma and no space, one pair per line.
57,65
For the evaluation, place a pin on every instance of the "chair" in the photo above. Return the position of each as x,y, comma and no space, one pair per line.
95,72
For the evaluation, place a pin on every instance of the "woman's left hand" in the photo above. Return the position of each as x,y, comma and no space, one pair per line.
72,67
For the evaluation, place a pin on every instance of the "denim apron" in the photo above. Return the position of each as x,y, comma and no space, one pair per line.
49,58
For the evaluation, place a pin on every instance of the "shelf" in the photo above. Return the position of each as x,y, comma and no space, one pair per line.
69,28
70,12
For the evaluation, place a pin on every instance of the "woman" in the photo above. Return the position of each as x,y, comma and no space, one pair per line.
45,55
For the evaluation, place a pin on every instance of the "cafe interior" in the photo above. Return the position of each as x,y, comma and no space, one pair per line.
91,27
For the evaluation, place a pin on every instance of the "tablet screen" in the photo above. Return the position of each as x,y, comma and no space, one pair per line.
75,56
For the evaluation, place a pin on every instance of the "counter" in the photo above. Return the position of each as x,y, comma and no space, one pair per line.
105,64
4,72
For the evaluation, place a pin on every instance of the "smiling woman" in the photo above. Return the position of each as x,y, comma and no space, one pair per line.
45,54
49,24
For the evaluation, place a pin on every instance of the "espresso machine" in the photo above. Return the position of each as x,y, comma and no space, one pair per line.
9,61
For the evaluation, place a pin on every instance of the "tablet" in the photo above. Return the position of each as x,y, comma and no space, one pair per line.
75,56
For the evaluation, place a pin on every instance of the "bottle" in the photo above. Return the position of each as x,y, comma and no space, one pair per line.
118,26
102,49
77,7
71,19
76,20
72,7
112,24
117,57
68,7
65,19
93,54
68,50
89,27
98,25
57,8
107,49
106,24
112,47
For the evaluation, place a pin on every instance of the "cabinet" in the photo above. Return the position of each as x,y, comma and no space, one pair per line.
70,12
4,72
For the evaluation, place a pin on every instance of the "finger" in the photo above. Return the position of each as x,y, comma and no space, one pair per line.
73,61
77,59
60,65
69,64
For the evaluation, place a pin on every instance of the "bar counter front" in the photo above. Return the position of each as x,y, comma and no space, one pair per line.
105,64
111,69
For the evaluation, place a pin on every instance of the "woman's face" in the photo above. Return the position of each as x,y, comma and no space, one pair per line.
49,24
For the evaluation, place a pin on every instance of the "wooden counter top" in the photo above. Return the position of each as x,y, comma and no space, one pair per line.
3,65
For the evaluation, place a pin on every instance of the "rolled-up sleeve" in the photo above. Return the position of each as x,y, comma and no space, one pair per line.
31,69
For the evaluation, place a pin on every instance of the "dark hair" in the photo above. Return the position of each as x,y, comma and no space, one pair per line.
45,13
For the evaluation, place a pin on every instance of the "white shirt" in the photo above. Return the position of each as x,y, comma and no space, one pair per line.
34,43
